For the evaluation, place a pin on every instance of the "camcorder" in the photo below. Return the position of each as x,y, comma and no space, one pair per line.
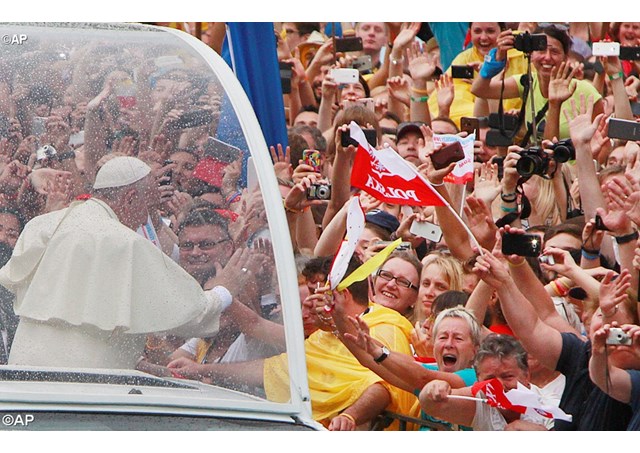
527,43
535,161
319,191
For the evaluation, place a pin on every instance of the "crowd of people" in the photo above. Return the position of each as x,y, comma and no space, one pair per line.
406,346
540,323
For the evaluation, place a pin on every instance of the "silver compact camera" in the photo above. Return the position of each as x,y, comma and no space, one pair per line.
547,259
46,152
617,336
319,192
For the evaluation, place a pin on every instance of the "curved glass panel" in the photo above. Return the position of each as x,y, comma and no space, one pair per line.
93,298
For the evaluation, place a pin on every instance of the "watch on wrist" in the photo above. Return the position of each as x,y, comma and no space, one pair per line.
384,355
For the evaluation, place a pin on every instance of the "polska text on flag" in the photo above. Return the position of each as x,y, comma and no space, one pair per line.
388,177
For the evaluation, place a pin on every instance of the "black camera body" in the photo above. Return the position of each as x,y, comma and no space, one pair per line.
527,43
319,192
533,161
564,151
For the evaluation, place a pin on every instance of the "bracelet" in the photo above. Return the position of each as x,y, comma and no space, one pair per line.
419,91
590,256
420,99
436,185
627,237
590,251
617,76
350,417
517,265
397,61
609,315
509,197
508,209
232,198
294,211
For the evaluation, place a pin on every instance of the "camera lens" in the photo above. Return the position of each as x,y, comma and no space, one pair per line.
527,165
561,153
324,192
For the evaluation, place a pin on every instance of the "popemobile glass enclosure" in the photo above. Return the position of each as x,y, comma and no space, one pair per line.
160,95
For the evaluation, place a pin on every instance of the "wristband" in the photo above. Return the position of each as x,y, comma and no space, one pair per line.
590,256
619,75
492,67
627,237
508,209
509,197
420,99
420,91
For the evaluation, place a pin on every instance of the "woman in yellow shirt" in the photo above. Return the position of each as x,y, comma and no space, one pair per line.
484,37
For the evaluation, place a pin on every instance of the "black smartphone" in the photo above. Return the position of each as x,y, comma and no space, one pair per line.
623,129
499,161
168,173
446,155
349,44
286,71
462,72
509,122
370,135
193,118
629,53
221,151
521,244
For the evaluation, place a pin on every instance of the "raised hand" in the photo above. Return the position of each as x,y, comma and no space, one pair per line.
421,65
582,127
486,186
562,86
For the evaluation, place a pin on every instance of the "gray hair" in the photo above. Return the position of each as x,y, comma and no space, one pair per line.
462,313
502,347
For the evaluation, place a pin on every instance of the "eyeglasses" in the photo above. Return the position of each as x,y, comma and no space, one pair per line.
400,281
203,245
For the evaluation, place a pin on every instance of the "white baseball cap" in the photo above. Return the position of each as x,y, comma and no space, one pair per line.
121,171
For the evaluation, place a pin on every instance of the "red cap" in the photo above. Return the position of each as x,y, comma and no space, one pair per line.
210,171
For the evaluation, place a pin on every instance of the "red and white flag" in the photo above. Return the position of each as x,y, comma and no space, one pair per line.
522,400
463,171
388,177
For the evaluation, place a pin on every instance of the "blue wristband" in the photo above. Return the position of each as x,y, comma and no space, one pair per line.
491,67
589,256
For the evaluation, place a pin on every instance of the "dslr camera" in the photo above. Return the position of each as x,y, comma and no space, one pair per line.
535,161
527,43
319,192
617,336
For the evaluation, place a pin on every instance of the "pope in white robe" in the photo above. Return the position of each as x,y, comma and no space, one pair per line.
89,289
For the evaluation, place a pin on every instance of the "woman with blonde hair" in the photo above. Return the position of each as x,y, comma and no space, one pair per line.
440,272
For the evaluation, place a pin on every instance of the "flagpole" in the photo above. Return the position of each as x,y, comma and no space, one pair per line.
450,208
470,398
464,189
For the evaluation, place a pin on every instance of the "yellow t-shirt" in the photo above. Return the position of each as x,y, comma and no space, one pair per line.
336,378
463,101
